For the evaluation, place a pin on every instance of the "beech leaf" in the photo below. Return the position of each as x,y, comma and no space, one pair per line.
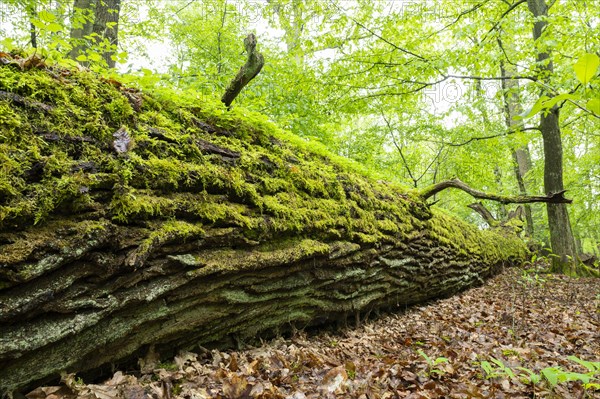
586,67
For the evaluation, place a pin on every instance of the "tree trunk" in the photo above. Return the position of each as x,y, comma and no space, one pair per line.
522,162
521,156
292,20
81,26
106,26
168,224
561,235
32,13
502,212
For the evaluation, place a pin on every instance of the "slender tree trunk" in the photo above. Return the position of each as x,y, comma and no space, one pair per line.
502,212
32,13
561,235
219,40
521,156
106,26
292,23
82,24
295,34
522,162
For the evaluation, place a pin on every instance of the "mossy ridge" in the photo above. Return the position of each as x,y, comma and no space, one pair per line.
60,161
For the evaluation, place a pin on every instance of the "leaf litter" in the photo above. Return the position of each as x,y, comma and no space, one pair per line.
482,343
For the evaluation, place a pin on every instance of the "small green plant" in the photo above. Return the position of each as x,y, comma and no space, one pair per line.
528,377
593,372
496,369
531,277
433,364
552,375
351,374
177,388
509,352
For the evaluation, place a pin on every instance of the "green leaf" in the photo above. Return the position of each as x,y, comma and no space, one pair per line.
46,16
551,375
594,105
545,102
81,58
67,63
537,107
592,386
94,57
585,67
591,366
7,44
570,376
427,358
531,376
38,24
556,99
487,367
440,360
54,27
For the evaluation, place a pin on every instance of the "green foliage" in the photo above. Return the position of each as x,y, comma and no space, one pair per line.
433,369
496,369
586,67
553,376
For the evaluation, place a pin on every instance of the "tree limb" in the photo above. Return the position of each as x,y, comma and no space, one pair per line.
504,14
358,23
484,213
554,198
246,73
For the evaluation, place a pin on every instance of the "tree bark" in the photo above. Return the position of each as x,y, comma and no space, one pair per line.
199,229
106,26
292,21
522,162
82,25
32,13
561,235
246,73
521,156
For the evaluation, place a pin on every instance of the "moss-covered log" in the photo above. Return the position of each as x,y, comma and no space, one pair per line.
129,220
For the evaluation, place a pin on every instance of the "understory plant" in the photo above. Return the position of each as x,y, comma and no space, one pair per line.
553,376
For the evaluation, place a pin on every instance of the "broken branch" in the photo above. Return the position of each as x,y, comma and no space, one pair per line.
554,198
246,73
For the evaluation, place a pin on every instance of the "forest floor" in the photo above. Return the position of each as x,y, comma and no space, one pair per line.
469,346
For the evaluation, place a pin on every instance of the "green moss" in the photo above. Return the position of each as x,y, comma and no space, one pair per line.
267,255
193,160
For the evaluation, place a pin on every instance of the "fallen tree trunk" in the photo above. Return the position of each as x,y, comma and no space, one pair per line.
171,224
